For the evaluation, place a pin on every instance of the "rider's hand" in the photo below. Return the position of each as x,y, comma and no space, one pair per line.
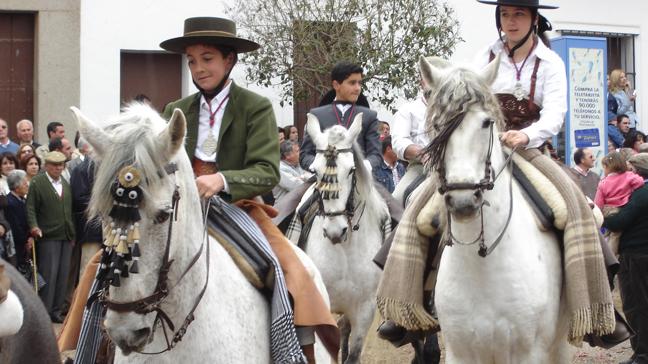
514,138
209,185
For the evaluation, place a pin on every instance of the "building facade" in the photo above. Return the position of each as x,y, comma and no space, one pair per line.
99,54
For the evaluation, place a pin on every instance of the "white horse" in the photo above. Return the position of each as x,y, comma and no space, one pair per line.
505,307
231,322
346,233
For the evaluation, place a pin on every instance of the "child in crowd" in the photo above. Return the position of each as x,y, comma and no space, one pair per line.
615,189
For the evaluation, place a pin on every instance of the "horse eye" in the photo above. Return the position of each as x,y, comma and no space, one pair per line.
486,123
161,216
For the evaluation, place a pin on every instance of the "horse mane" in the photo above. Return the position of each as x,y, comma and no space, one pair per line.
133,142
461,89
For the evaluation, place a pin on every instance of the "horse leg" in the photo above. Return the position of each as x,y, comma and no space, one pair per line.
360,322
345,332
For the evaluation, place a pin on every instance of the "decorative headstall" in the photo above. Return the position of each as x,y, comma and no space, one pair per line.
122,246
328,187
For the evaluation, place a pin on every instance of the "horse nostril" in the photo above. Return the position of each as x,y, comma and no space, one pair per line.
142,333
478,194
344,231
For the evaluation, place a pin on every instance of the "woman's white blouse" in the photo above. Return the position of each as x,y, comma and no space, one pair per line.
550,90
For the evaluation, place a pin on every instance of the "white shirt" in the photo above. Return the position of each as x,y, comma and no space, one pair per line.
343,108
57,184
550,90
203,121
204,127
408,127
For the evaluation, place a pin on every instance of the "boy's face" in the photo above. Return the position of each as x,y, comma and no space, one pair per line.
349,89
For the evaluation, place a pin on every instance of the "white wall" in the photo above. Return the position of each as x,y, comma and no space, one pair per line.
110,26
107,27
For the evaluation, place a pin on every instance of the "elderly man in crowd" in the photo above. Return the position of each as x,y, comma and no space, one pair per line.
6,145
292,175
582,173
49,215
632,222
25,131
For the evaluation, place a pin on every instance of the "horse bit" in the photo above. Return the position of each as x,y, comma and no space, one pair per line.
485,183
154,302
328,188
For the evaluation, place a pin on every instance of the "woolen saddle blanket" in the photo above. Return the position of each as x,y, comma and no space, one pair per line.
246,255
547,203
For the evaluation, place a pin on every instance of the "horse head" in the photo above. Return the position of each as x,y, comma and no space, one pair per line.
141,170
463,117
335,165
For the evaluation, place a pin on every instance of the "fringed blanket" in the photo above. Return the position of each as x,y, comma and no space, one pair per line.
589,301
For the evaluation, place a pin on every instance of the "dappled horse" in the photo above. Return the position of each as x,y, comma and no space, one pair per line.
498,290
349,227
171,271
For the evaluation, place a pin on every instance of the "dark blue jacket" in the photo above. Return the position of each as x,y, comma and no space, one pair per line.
81,182
16,214
614,134
383,174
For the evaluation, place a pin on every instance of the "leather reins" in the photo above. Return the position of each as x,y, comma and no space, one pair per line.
485,183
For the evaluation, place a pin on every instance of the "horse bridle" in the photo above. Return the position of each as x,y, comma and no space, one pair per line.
486,183
153,302
349,210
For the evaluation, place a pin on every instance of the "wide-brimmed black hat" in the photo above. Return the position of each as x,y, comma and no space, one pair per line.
522,3
208,30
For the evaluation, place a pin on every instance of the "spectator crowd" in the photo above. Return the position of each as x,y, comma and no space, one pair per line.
44,190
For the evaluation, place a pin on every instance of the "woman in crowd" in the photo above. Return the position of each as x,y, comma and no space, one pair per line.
291,133
25,150
8,162
30,164
620,90
633,140
16,215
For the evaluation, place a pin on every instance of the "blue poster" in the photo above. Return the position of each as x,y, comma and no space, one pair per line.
586,138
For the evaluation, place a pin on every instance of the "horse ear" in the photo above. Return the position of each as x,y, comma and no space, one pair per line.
354,129
489,73
96,137
429,72
313,127
172,137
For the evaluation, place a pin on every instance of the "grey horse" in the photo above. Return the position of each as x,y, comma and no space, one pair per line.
35,342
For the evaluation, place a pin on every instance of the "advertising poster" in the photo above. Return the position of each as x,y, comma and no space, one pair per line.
587,102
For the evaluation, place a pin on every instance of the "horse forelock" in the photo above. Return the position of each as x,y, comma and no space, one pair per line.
461,91
336,134
133,142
